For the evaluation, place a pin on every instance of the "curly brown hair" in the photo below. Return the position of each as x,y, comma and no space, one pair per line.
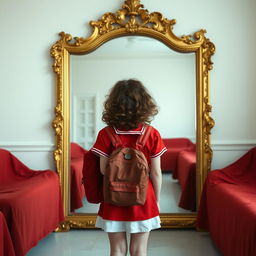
128,105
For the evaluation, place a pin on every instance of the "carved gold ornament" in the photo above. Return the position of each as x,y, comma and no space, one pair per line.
131,20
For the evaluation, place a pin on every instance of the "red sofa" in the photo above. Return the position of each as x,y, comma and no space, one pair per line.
186,175
228,207
174,147
30,202
76,168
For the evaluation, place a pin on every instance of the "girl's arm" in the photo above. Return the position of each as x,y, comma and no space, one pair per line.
103,164
156,177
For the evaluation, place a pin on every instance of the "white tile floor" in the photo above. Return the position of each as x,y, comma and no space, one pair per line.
95,243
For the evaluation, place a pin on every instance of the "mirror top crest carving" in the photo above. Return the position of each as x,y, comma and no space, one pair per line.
131,20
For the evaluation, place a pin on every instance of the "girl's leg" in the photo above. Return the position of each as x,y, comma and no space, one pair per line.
139,244
118,243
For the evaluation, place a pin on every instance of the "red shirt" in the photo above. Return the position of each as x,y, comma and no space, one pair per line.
154,147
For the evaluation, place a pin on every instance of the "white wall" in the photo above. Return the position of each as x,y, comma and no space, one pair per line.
27,89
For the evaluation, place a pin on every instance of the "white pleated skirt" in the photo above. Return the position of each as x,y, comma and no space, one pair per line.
128,226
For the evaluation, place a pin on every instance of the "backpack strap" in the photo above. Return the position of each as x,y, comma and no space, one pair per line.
141,141
114,138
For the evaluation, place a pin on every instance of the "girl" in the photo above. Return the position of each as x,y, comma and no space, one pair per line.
127,109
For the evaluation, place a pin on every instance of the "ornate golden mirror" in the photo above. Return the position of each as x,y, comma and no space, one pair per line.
132,43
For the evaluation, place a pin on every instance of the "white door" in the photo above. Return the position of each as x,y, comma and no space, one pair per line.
84,121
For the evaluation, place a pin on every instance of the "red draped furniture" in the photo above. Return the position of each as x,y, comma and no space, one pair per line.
6,246
186,175
30,202
228,207
174,147
76,168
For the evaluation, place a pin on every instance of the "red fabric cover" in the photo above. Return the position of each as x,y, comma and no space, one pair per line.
77,187
77,151
30,201
93,178
6,246
228,206
186,174
174,147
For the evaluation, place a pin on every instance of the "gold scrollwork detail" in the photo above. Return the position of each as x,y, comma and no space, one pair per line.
132,16
65,39
56,53
208,121
209,152
63,227
82,224
68,224
57,123
208,51
178,223
208,124
191,39
133,6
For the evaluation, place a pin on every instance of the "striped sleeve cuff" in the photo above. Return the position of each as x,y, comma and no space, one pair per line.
99,152
160,153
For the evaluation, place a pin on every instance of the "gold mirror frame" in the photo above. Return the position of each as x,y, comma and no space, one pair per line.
131,20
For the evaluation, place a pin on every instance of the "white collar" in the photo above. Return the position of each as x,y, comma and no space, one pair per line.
139,132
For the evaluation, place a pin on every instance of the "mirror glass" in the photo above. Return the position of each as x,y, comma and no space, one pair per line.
170,78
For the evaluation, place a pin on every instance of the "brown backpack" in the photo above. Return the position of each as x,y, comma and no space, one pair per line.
127,172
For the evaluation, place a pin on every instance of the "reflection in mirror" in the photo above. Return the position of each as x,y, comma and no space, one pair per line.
169,76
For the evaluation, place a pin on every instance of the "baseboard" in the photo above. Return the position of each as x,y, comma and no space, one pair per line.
232,145
27,147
